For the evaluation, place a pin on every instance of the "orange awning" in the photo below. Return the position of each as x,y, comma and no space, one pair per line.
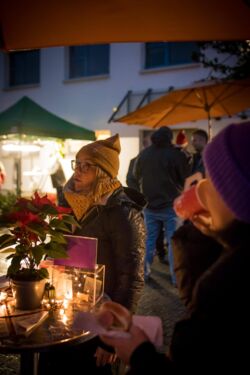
35,24
205,100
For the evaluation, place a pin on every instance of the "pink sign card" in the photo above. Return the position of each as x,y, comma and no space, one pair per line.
82,252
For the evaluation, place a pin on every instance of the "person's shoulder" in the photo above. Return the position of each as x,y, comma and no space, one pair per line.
146,151
176,153
127,197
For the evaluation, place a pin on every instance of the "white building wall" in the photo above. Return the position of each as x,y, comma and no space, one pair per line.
89,102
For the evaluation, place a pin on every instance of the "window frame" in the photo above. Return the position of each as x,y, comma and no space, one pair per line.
89,76
166,65
15,84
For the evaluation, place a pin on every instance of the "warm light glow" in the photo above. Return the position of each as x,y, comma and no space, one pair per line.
14,147
102,134
3,296
82,297
69,294
65,303
33,173
68,287
64,319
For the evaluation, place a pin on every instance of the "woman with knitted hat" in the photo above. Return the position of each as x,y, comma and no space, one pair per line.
112,214
214,336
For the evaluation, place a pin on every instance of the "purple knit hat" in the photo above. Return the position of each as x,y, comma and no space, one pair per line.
227,160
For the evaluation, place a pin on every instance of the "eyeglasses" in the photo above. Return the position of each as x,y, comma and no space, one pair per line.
82,166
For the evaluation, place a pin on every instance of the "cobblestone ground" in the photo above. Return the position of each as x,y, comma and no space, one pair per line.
159,298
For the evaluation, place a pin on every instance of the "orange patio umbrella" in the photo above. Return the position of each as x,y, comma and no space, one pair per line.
204,100
27,24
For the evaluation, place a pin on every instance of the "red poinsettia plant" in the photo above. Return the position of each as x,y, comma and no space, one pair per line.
35,229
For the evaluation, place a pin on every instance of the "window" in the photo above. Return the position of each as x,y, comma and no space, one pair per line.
24,67
167,54
85,61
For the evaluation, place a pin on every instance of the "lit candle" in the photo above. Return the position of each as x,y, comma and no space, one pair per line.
64,319
82,297
65,303
3,296
2,310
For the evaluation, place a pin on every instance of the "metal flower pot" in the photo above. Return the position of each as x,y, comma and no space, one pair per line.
28,294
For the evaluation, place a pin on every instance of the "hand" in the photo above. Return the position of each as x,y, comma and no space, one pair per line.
105,318
125,347
203,222
103,357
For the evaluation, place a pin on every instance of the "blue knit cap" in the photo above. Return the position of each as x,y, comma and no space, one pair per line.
227,160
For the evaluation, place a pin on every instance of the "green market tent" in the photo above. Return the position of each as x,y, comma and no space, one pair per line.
27,117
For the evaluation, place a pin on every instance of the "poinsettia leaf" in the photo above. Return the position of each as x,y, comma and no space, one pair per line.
27,274
30,207
43,272
6,240
57,237
56,251
49,210
21,250
69,219
55,222
15,265
60,225
8,250
38,252
10,256
38,229
64,228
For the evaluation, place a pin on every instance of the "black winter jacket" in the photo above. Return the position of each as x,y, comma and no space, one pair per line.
193,254
119,227
214,338
161,172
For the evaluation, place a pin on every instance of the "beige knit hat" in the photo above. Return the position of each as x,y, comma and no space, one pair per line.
104,153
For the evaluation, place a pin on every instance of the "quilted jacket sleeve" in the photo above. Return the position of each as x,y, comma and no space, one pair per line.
127,234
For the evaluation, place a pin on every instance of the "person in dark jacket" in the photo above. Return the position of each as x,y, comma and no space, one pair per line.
160,247
214,337
113,214
199,141
131,181
58,180
160,170
194,253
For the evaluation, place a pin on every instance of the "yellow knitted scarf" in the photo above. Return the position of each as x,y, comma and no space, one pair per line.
81,203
